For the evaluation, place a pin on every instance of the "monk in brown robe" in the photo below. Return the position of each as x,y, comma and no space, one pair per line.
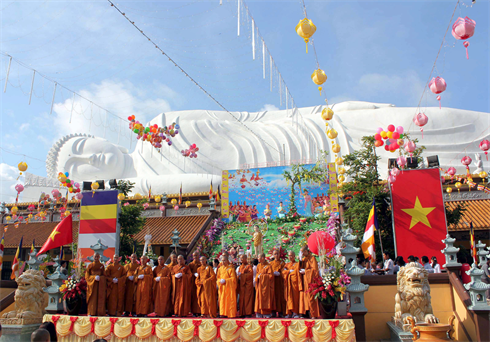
264,287
181,281
131,269
245,288
277,267
193,266
227,285
162,288
173,261
293,286
116,285
206,289
309,270
96,287
144,288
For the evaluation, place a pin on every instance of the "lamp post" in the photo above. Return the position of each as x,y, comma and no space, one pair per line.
175,240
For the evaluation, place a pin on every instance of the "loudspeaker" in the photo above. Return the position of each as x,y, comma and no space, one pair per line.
87,186
412,162
101,184
113,183
433,161
392,163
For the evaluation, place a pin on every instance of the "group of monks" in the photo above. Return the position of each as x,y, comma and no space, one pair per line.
180,290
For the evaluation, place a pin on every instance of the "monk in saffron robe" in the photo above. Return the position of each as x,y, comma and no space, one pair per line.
277,267
144,288
96,287
181,281
264,288
227,285
309,270
162,288
293,286
116,285
245,288
131,269
193,266
206,289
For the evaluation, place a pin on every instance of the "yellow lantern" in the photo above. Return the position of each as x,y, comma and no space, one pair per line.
339,161
8,218
121,197
138,196
305,30
341,178
94,185
327,114
332,133
199,205
458,185
158,199
483,175
449,190
173,201
22,167
29,216
187,203
14,210
341,171
319,77
67,213
336,148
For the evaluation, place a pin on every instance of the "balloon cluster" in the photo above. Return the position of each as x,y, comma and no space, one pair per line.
191,152
393,138
154,134
73,187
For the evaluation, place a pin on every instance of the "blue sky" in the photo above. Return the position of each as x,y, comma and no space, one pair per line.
378,51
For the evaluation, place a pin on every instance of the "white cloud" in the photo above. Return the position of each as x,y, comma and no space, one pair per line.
24,126
268,108
8,180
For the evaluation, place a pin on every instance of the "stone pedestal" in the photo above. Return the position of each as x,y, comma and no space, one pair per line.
397,334
18,333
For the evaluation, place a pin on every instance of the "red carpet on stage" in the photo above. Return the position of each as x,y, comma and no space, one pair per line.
119,329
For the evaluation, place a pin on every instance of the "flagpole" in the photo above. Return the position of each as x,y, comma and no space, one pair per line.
380,242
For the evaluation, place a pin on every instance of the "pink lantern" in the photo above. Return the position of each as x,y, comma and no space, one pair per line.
409,147
162,209
484,146
451,172
464,29
79,196
19,188
421,120
176,208
466,161
391,179
395,172
401,161
145,206
437,85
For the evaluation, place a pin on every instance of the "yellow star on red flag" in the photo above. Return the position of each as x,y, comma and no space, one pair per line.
419,213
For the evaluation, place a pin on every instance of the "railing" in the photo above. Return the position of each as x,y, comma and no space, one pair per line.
277,163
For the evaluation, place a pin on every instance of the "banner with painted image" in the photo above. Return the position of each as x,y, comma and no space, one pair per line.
260,193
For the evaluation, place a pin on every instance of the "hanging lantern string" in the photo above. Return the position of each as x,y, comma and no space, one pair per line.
481,136
434,65
189,76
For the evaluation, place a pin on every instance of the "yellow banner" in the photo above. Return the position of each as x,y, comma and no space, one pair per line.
225,193
98,212
332,176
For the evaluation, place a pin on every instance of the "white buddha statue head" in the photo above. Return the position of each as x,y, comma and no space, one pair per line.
86,157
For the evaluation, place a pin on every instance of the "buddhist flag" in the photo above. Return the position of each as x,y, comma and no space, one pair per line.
61,235
211,190
61,253
2,243
15,263
367,245
419,214
472,243
149,193
217,195
32,246
180,194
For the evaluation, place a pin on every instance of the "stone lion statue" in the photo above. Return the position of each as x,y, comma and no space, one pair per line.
413,296
29,297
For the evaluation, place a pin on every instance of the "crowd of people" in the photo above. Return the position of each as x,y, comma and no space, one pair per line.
254,288
387,266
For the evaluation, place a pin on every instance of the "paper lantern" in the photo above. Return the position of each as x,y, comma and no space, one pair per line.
464,29
138,196
22,167
449,190
121,197
305,29
319,77
173,201
458,185
320,241
437,85
341,178
484,146
401,161
409,147
336,148
339,161
158,199
341,171
94,185
421,120
466,161
332,133
327,114
187,203
199,206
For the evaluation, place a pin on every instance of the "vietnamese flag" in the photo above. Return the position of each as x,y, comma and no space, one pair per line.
61,235
419,214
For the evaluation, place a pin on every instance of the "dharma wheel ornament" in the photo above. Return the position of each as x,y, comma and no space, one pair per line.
319,77
305,29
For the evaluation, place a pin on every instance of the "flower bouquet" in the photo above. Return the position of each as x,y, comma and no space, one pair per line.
74,293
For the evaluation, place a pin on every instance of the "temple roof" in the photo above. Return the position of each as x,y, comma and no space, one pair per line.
477,211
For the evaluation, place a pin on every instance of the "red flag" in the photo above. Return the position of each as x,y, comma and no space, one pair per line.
61,235
419,213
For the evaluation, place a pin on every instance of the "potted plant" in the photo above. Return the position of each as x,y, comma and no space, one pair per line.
74,293
330,286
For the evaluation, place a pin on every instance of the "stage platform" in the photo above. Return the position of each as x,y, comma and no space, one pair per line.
119,329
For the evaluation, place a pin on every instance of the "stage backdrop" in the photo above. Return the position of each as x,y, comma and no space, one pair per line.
246,194
98,221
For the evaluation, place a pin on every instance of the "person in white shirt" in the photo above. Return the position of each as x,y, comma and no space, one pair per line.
388,264
435,265
426,264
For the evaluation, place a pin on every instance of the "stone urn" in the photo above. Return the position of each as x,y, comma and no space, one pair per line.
432,331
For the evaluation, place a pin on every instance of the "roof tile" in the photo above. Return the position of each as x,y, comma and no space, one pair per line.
39,231
477,211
